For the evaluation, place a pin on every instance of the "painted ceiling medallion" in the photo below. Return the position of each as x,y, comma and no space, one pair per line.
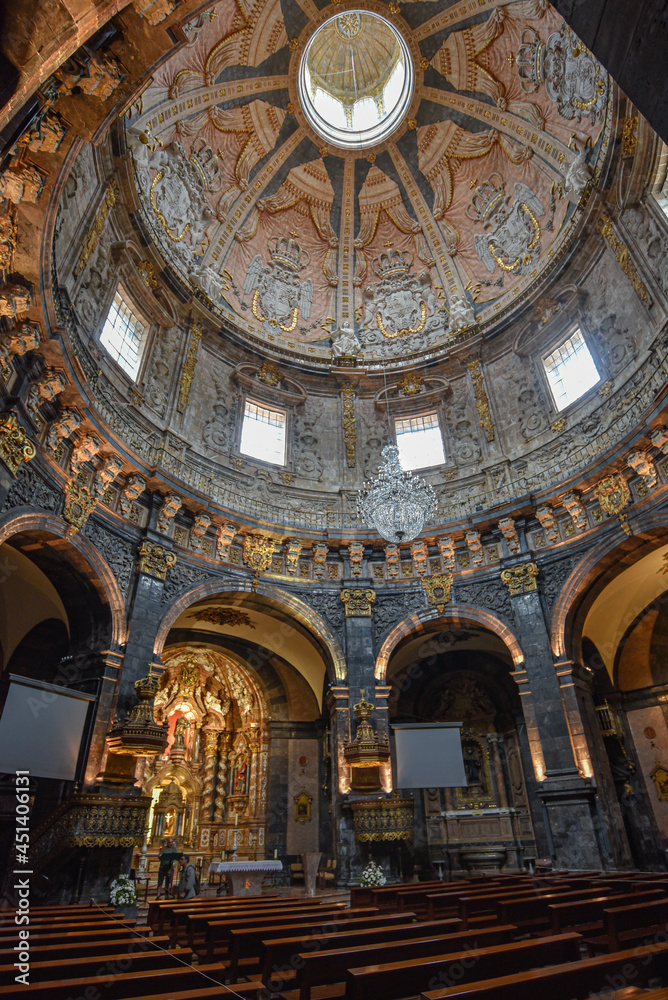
410,178
356,79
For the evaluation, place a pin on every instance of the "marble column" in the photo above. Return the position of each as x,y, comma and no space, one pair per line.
575,835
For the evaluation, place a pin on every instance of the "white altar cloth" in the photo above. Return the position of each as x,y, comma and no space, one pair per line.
245,876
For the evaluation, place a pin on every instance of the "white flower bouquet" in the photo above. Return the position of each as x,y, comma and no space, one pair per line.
372,876
123,892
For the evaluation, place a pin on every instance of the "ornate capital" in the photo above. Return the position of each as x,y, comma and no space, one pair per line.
79,505
15,446
210,743
438,588
357,603
521,579
154,560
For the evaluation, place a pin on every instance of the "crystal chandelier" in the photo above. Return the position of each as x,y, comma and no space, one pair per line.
394,502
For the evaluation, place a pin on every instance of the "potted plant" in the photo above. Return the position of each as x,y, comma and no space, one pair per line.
123,895
372,876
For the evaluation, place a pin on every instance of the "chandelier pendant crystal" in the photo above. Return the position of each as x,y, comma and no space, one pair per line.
395,502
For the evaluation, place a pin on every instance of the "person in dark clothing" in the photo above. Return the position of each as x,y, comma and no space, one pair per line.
188,880
167,856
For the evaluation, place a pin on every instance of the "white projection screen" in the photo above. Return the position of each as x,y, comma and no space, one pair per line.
41,728
429,755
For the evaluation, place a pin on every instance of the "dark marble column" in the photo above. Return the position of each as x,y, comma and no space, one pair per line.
574,832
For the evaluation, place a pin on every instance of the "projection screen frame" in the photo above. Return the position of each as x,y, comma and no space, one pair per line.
43,687
419,727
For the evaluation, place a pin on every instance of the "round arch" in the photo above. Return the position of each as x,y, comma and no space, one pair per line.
94,567
591,576
277,600
457,615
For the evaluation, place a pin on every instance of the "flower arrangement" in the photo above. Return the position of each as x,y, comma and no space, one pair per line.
123,891
372,876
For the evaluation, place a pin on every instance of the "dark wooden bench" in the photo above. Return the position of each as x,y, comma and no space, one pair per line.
192,924
118,963
276,955
48,927
635,967
218,931
624,925
196,930
587,915
470,906
65,949
246,942
330,965
404,979
533,912
161,910
166,981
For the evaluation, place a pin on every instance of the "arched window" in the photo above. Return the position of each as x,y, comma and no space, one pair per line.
124,333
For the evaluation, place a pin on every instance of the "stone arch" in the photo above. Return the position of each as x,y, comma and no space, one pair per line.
83,557
455,615
592,574
277,600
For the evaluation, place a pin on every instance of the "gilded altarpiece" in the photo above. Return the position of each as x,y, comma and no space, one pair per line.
209,789
485,825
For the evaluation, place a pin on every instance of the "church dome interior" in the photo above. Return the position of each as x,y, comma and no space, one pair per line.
244,248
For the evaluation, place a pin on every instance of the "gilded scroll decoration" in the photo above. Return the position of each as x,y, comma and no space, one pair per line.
358,603
189,365
349,422
521,579
438,589
97,228
623,255
15,445
154,560
481,398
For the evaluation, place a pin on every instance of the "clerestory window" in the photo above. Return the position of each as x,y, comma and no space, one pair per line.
571,371
419,441
124,334
263,433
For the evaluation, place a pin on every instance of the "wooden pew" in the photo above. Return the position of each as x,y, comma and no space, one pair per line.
635,967
587,915
470,906
532,913
246,942
159,908
624,925
49,928
330,966
392,980
277,954
218,931
68,935
79,949
165,917
117,963
191,924
444,904
166,982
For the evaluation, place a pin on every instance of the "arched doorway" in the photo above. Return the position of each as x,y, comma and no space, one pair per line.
458,671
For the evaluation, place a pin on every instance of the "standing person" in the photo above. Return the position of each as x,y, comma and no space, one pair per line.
188,883
167,856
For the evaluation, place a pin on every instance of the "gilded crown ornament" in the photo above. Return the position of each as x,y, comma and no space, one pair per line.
367,749
396,502
287,251
139,735
392,262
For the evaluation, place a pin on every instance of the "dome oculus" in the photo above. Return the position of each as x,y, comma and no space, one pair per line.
355,79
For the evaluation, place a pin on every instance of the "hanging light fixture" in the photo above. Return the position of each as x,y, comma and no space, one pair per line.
394,501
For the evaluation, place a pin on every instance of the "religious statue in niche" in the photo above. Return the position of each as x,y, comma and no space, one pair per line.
279,297
571,76
239,777
478,791
512,240
400,304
